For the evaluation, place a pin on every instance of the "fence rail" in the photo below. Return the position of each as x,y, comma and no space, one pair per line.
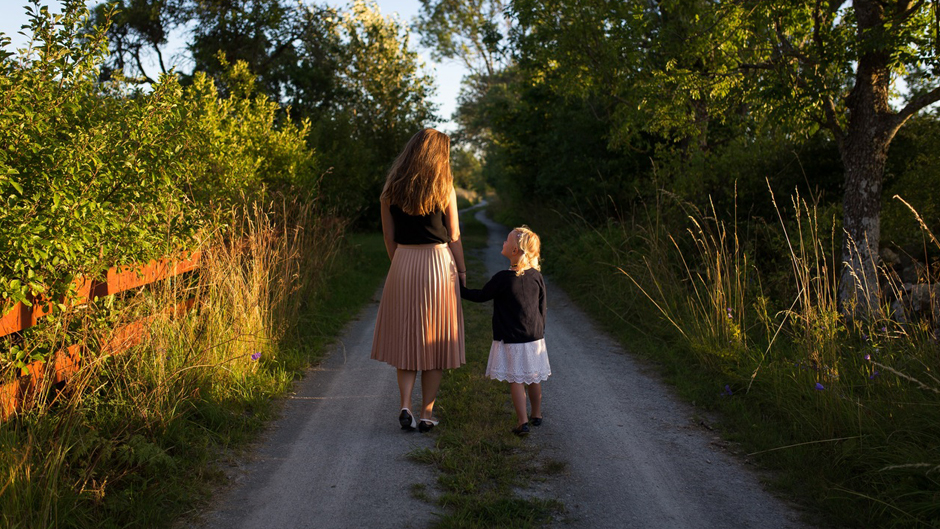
118,279
67,361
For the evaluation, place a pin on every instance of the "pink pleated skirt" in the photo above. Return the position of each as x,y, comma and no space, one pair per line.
420,321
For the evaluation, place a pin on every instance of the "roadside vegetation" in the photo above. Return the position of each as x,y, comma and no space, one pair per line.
98,169
845,414
133,438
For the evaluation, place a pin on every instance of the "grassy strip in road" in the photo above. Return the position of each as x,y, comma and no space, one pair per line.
481,462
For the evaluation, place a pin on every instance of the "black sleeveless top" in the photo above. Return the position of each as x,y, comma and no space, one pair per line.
415,229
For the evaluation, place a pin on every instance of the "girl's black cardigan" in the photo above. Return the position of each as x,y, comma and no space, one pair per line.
518,305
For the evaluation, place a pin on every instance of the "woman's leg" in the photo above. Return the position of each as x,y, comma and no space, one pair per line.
535,399
406,383
517,391
430,383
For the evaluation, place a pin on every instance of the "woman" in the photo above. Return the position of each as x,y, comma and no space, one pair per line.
420,321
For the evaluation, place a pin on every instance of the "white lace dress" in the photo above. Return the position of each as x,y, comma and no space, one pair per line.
523,363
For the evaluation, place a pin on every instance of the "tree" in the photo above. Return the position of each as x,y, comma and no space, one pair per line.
475,33
350,71
811,49
136,29
266,34
472,32
677,67
381,99
276,38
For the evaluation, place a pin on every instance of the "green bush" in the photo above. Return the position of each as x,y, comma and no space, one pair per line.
95,174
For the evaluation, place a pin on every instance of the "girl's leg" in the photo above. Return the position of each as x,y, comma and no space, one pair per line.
535,399
430,383
406,383
517,391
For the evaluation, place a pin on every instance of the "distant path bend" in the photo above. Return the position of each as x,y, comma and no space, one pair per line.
635,456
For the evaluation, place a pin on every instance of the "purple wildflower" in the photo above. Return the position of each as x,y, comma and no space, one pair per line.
868,357
255,357
820,387
727,392
873,375
864,337
884,329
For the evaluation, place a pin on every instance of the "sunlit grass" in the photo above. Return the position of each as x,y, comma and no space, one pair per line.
130,440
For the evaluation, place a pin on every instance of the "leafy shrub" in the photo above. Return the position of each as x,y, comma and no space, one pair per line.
94,174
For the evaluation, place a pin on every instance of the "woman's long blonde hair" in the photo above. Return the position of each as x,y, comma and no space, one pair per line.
531,247
420,180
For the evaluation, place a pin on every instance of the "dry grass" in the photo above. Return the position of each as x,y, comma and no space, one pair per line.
126,440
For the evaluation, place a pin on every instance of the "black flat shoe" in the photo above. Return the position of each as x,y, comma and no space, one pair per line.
522,430
536,421
425,425
406,420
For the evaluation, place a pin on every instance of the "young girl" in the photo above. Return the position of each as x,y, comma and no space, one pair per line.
518,354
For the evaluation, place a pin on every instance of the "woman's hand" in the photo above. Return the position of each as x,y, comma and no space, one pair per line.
463,278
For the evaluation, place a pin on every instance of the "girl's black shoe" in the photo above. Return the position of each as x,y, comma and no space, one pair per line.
536,421
521,430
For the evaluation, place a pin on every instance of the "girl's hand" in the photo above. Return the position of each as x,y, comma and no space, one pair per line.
463,278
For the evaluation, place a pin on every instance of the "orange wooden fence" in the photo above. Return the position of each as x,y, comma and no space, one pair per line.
67,361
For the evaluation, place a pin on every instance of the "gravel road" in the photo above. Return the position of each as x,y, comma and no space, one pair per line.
636,456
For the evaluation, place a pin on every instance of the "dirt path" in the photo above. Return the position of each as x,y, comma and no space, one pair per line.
635,456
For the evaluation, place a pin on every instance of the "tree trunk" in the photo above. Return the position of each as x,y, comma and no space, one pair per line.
864,149
863,155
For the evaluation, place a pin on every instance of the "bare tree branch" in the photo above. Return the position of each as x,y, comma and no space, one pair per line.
917,103
832,122
906,10
140,66
159,58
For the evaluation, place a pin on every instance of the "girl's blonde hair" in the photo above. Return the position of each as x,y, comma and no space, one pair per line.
531,247
420,180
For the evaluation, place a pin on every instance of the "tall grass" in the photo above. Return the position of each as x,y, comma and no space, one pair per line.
126,442
704,298
847,410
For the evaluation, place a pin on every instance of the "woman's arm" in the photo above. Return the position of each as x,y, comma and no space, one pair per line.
388,230
452,223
